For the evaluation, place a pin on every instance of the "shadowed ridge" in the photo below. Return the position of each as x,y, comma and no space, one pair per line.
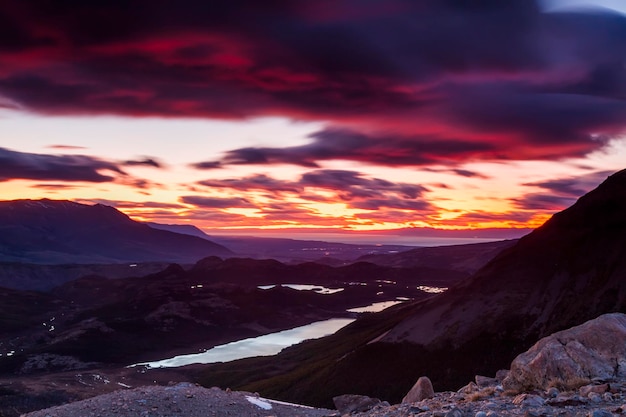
561,274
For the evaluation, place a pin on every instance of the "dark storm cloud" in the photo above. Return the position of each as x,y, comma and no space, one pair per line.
207,165
430,81
461,172
396,203
333,144
472,218
254,182
216,202
560,193
551,202
54,186
73,168
66,147
21,165
573,186
137,205
351,187
147,162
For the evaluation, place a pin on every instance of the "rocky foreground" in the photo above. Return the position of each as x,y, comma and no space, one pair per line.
580,372
599,399
595,400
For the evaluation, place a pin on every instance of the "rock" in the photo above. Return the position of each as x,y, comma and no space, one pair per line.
468,389
594,397
349,403
565,401
501,374
595,349
419,408
588,389
480,414
552,392
528,400
423,389
600,413
455,412
485,381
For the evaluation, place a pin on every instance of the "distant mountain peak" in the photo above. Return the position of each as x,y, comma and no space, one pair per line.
62,231
44,203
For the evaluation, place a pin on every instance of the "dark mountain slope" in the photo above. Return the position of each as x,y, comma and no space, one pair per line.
37,277
183,229
22,310
245,271
466,258
570,270
49,231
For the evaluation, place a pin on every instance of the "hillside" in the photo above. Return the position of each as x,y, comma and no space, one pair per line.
56,232
38,277
465,258
571,269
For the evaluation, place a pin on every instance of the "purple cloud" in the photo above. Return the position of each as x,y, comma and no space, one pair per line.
22,165
397,83
215,202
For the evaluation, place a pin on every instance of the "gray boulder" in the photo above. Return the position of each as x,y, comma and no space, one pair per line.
485,381
422,390
595,349
350,403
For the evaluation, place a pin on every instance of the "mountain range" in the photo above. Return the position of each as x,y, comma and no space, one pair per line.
287,250
57,231
570,270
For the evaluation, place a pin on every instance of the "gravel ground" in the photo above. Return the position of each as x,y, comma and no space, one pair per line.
183,399
189,400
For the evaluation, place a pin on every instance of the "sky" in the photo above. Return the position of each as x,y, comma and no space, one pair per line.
327,115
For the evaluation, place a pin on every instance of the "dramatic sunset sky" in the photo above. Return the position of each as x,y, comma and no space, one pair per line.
326,114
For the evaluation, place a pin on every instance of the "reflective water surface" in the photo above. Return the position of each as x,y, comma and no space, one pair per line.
320,289
266,345
375,307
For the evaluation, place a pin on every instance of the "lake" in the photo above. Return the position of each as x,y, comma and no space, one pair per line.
375,307
273,343
266,345
320,289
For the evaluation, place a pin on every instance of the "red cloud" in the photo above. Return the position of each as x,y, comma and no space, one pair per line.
412,82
